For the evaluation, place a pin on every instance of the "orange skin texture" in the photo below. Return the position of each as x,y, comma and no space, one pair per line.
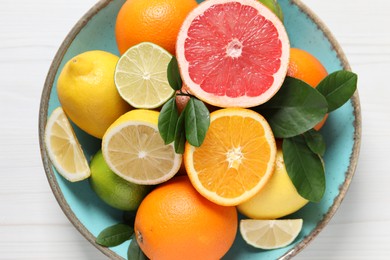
175,222
308,68
156,21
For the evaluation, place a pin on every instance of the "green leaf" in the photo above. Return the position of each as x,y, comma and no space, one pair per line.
315,141
114,235
180,134
338,87
167,120
295,109
173,74
305,168
197,121
134,252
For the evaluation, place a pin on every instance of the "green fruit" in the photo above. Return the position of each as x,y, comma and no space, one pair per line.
114,190
274,6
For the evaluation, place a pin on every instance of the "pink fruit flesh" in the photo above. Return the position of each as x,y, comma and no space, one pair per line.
227,53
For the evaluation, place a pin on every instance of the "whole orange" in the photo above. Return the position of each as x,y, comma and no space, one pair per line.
156,21
306,67
175,222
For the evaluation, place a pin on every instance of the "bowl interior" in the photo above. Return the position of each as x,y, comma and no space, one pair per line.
342,131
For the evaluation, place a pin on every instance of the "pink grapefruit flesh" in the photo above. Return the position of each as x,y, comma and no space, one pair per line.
233,53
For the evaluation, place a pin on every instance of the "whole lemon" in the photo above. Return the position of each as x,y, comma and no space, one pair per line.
278,197
87,92
112,189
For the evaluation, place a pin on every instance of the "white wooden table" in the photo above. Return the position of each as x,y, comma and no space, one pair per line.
32,225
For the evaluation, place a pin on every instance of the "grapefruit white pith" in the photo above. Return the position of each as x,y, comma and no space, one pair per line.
233,52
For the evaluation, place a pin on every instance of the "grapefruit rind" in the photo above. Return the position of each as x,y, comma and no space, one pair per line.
226,101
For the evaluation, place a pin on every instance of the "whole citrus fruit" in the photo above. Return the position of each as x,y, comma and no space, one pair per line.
233,53
306,67
274,6
156,21
114,190
175,222
87,92
278,197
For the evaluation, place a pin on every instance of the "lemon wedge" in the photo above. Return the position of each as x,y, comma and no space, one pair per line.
63,148
270,234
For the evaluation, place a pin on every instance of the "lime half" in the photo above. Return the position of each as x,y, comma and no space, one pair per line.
141,76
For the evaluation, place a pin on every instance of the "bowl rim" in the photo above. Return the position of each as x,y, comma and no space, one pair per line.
43,111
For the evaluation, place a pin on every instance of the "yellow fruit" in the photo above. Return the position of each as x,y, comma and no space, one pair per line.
270,234
64,149
87,92
277,199
134,149
236,158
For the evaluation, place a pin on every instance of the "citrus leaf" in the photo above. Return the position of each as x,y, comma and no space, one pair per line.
167,120
134,252
305,168
295,109
315,142
338,87
173,74
180,135
197,121
114,235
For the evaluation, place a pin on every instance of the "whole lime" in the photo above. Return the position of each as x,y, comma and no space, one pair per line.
114,190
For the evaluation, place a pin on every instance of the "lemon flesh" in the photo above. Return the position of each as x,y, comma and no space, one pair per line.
270,234
64,149
277,198
134,149
141,76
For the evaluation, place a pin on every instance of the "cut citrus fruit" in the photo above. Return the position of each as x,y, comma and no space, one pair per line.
236,158
64,149
270,234
133,148
233,53
141,76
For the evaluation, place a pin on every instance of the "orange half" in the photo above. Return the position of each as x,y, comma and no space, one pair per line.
236,158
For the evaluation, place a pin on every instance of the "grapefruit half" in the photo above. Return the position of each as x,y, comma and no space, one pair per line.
233,53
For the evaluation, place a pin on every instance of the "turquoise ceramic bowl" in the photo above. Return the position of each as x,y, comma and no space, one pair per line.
90,215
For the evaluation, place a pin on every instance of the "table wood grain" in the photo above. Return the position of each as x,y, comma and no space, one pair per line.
32,225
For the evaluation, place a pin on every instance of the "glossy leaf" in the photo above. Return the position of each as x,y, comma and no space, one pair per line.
167,120
315,141
197,121
295,109
173,74
114,235
338,87
180,135
305,168
134,252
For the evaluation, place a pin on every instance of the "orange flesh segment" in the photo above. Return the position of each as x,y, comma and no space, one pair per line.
234,156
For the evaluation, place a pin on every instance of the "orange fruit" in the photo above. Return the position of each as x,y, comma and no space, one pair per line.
236,158
156,21
233,53
306,67
175,222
